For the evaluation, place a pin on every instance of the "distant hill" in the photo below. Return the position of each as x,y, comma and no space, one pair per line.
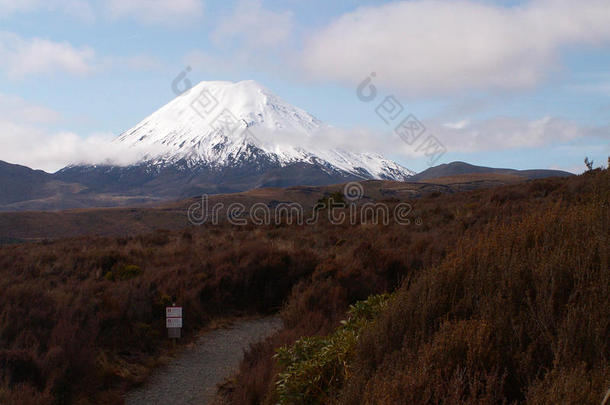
462,168
20,183
25,189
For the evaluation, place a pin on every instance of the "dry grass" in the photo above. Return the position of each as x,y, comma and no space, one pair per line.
145,218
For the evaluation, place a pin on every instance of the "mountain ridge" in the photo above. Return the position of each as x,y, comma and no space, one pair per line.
54,194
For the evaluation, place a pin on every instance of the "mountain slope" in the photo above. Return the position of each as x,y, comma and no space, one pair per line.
20,183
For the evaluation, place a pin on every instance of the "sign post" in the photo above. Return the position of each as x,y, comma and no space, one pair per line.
173,322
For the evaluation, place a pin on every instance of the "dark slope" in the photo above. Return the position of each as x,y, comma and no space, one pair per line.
461,168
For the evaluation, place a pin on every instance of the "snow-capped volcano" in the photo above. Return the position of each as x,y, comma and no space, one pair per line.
223,124
222,137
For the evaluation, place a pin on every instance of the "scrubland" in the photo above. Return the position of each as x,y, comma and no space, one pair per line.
499,296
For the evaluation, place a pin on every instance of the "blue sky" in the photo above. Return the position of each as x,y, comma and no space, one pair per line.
522,84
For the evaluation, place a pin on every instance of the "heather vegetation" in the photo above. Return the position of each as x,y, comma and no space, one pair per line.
516,312
500,295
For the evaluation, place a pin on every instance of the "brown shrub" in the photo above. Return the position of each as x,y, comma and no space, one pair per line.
511,307
517,313
83,338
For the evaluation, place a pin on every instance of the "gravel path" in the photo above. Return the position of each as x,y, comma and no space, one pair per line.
191,378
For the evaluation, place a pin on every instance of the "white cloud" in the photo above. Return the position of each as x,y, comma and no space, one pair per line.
26,140
8,7
17,109
505,133
466,136
80,9
21,57
163,12
439,46
51,151
254,26
457,125
579,169
249,38
24,57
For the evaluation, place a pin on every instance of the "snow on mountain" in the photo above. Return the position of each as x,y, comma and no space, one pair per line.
218,124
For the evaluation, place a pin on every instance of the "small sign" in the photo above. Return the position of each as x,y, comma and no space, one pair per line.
173,321
173,312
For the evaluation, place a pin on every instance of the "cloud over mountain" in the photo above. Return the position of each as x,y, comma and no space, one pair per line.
441,46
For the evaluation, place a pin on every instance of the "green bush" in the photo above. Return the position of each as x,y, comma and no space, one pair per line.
314,368
123,272
336,198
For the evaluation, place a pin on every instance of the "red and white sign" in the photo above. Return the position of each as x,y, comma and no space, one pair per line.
173,317
173,312
173,322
